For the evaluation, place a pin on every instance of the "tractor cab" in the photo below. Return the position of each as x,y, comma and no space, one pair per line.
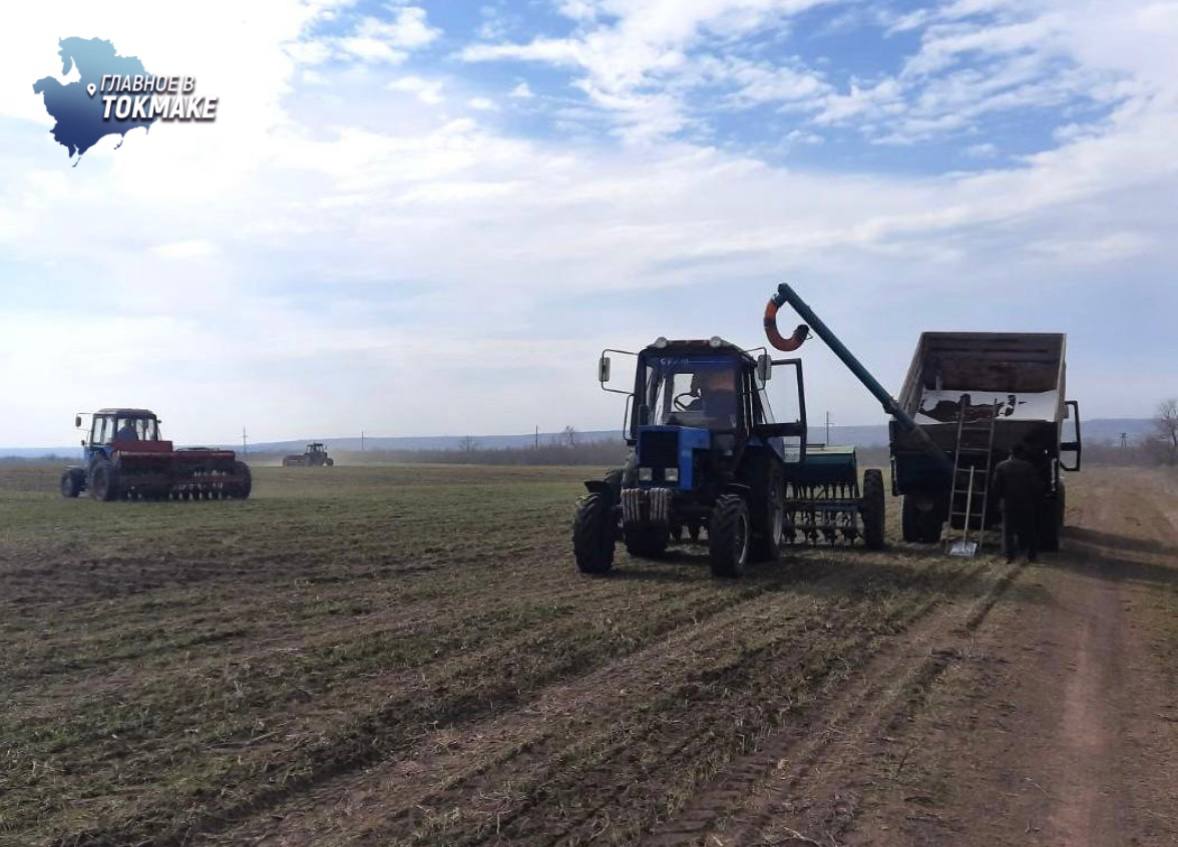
699,405
122,429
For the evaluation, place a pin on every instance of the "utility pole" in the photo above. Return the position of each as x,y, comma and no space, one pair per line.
537,443
244,447
361,441
828,429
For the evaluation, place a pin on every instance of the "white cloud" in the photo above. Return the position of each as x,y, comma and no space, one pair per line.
372,39
426,90
631,51
482,104
522,92
192,249
329,266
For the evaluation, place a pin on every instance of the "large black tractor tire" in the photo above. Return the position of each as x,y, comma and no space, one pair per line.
874,509
104,481
768,517
242,489
920,526
329,462
647,542
729,534
72,482
594,527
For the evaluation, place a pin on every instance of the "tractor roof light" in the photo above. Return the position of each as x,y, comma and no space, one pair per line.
716,341
660,342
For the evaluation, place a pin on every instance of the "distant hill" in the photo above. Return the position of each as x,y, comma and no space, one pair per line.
1096,430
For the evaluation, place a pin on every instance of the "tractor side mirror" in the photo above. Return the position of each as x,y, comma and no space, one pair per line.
603,370
77,421
764,368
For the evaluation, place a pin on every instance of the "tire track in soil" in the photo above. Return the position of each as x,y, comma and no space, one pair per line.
531,743
363,745
645,762
523,733
807,760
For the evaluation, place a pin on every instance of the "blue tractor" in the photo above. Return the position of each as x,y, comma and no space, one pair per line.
708,455
126,459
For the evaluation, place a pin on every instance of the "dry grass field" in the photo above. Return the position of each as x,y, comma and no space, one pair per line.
406,655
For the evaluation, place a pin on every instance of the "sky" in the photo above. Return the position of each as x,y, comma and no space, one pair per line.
420,218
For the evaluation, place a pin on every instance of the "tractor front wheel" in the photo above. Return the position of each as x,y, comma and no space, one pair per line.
104,481
874,504
71,482
593,533
728,536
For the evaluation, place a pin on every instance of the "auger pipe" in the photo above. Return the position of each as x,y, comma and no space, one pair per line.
785,294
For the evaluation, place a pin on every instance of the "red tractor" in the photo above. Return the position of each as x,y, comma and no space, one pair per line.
126,459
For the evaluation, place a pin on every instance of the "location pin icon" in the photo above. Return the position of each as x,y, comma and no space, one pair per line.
91,89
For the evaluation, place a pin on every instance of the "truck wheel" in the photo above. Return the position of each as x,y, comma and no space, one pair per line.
648,542
71,482
873,509
728,536
104,481
769,521
593,534
922,526
1050,517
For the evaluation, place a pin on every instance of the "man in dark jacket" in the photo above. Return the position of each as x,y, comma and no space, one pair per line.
1017,485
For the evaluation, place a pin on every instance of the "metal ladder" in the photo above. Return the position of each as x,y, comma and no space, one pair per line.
972,456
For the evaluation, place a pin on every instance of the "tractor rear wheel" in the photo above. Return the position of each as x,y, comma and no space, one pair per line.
593,533
646,541
728,536
769,521
71,482
873,509
104,481
243,488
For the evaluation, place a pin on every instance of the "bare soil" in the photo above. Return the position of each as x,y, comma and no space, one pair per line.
406,655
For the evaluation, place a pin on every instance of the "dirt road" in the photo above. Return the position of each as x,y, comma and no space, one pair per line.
1045,713
324,665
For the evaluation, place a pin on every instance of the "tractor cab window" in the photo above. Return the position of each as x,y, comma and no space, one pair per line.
697,392
136,429
102,431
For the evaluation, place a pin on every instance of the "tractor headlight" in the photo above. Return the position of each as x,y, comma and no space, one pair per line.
671,474
645,474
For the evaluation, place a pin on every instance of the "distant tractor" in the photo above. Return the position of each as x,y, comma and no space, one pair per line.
708,455
314,456
125,459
